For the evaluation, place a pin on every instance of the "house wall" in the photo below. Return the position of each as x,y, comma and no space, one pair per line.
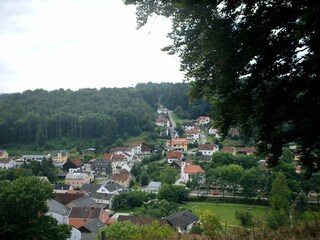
60,218
75,234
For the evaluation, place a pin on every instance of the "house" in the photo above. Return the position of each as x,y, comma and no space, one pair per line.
182,221
4,154
188,125
6,163
123,178
111,188
128,151
66,198
173,133
140,220
38,157
60,156
229,149
177,144
85,201
202,120
58,211
117,161
162,110
172,156
193,135
163,122
208,149
146,149
90,187
246,151
76,235
153,187
61,188
101,166
93,226
103,199
187,170
74,165
76,179
215,132
80,216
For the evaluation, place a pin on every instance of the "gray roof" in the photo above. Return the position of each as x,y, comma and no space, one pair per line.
91,187
61,187
105,196
112,187
76,175
94,226
154,185
182,219
58,208
85,201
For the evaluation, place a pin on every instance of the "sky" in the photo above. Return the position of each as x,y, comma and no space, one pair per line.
74,44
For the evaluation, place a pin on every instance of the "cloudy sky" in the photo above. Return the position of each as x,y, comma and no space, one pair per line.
74,44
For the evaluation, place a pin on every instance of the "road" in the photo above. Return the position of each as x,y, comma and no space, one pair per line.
173,124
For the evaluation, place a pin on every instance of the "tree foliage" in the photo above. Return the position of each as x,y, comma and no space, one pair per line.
22,211
257,62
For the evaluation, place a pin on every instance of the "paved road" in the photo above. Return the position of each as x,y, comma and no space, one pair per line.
173,124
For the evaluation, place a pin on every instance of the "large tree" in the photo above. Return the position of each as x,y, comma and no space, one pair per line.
23,204
256,61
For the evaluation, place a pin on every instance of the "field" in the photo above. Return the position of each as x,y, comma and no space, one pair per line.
226,211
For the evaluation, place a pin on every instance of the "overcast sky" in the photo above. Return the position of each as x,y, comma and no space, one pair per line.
74,44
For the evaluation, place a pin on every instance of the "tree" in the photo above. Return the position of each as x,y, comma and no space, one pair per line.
121,231
144,178
22,211
244,217
280,203
168,175
244,55
173,193
250,182
210,224
230,175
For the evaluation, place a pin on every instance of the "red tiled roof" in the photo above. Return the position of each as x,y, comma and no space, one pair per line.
121,176
174,155
192,131
107,156
229,149
162,120
193,169
77,162
207,146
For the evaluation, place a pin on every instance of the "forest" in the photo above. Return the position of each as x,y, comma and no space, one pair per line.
40,116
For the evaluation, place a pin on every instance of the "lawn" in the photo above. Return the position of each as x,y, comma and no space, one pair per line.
226,211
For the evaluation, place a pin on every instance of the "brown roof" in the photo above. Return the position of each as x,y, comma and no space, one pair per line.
77,162
174,155
229,149
121,176
207,146
107,156
85,212
247,150
66,198
192,131
162,120
120,149
141,220
5,160
193,169
118,157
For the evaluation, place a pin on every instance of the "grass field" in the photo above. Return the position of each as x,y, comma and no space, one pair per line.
226,211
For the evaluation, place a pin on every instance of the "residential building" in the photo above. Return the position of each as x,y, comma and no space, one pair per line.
187,170
172,156
58,211
4,154
61,188
202,120
74,165
163,122
100,166
77,179
177,144
123,178
246,151
229,149
208,149
193,135
60,156
153,187
80,216
182,221
6,163
188,125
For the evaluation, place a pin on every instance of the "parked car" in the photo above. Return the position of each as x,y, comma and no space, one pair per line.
215,193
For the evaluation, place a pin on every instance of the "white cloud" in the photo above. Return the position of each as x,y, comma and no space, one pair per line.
81,43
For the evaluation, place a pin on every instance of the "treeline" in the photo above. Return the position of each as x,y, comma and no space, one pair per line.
107,114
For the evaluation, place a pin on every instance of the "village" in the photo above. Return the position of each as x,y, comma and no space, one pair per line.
85,193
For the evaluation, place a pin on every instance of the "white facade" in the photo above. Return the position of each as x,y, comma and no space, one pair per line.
7,163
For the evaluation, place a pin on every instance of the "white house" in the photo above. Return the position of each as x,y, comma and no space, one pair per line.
208,149
6,163
163,122
193,135
39,158
187,170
